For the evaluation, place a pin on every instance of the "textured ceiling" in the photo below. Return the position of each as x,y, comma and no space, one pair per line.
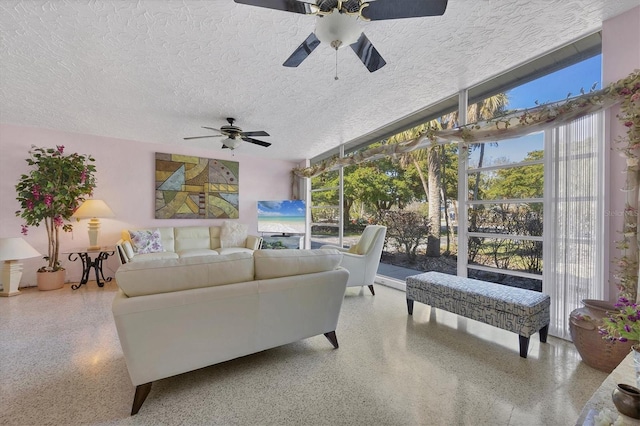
155,71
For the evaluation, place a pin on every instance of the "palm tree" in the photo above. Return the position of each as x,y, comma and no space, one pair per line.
432,185
483,110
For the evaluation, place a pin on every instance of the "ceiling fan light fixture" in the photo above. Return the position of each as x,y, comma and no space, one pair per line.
338,27
231,143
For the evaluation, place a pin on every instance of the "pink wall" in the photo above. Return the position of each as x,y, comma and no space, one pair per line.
125,180
620,57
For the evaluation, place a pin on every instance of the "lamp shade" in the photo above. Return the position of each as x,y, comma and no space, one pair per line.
338,27
93,208
16,248
231,143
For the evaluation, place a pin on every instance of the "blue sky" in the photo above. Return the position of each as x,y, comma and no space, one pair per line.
550,88
556,86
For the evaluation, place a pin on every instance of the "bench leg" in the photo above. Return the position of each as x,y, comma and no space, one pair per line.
543,333
524,341
524,346
410,306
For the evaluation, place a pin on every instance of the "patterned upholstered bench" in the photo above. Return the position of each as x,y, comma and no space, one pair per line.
514,309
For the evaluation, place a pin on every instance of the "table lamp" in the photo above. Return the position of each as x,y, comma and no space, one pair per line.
11,250
93,209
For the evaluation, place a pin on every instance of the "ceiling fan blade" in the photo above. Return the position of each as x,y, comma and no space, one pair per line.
201,137
256,141
396,9
285,5
368,54
304,50
256,133
211,128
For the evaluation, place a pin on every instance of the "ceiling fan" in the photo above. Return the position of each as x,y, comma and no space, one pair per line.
337,23
234,135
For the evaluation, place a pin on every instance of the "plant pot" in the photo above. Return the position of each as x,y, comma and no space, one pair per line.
595,351
51,280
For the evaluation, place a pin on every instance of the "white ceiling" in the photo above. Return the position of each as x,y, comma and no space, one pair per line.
156,70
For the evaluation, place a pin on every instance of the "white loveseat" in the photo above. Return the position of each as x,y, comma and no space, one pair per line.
189,241
177,315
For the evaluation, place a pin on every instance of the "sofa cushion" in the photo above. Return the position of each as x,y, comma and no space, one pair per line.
230,250
153,256
287,262
214,235
146,241
197,252
191,237
169,275
233,234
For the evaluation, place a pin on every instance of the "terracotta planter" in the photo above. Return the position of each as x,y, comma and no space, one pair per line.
51,280
594,350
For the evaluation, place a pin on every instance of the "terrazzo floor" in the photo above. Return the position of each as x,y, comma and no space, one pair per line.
61,363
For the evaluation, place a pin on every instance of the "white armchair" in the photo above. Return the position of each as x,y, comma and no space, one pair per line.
362,259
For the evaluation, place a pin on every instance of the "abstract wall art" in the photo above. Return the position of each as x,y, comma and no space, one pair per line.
190,187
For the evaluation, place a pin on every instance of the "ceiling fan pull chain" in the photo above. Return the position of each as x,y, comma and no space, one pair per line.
336,77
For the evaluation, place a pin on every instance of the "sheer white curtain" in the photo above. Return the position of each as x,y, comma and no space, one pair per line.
573,218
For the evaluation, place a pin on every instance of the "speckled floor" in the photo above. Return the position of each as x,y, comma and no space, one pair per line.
61,363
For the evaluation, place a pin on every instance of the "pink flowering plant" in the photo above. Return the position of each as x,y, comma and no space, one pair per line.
624,324
52,191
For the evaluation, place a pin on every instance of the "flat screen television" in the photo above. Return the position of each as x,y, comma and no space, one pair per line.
281,217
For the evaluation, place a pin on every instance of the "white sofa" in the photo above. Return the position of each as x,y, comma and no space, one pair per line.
187,241
177,315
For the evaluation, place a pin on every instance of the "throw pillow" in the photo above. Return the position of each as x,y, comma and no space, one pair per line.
146,241
233,234
353,249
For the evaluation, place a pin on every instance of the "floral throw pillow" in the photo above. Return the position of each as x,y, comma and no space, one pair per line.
233,234
146,241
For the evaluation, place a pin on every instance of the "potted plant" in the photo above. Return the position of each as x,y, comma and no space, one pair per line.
50,193
598,348
622,324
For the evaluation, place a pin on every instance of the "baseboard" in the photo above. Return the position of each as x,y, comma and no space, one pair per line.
391,282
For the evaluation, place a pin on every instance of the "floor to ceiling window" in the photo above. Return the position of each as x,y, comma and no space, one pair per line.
506,184
505,211
501,215
325,209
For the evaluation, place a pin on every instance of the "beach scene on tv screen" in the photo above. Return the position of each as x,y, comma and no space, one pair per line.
283,216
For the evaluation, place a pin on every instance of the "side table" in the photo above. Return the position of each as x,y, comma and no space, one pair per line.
88,263
625,372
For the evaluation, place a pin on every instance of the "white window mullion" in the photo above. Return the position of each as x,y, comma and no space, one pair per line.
463,190
341,202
